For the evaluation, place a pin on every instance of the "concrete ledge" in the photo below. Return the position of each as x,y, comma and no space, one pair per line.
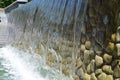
14,5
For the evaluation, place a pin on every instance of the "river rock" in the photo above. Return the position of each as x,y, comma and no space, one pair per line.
82,48
87,76
118,49
102,76
91,67
113,37
107,58
88,44
86,57
109,77
118,34
111,46
93,77
117,71
107,69
98,60
98,71
78,63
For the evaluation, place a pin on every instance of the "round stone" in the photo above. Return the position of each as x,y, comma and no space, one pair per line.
109,77
117,71
82,48
118,34
92,54
107,58
118,49
107,69
88,69
86,57
111,46
98,60
78,63
102,76
113,37
88,44
91,67
93,77
98,71
87,76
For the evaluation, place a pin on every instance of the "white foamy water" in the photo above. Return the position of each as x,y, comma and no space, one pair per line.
17,65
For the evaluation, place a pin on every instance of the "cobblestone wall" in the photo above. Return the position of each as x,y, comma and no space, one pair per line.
99,58
102,19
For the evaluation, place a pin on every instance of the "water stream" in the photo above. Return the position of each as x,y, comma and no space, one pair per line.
17,65
43,33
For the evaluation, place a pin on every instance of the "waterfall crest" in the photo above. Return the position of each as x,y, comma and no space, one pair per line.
51,28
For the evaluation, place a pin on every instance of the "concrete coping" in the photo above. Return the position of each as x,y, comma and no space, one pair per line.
14,5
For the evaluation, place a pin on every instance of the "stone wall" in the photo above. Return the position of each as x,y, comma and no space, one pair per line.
98,52
102,19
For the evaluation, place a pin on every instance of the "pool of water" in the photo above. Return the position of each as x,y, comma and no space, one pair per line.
17,65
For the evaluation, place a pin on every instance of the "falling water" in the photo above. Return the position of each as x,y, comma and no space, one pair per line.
17,65
50,29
